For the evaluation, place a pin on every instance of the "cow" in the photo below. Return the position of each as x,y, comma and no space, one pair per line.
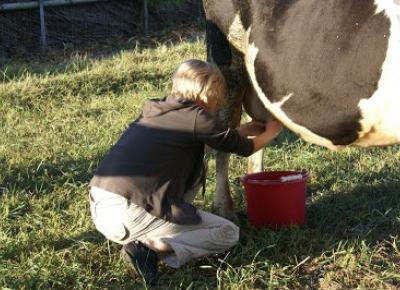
328,70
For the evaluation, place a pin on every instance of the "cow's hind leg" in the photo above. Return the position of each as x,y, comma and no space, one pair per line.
231,65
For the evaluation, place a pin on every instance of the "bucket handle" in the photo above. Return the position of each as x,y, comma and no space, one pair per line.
255,181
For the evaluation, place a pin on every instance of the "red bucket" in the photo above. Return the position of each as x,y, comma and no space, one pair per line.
276,199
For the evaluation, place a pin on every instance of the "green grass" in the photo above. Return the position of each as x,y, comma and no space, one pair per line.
57,120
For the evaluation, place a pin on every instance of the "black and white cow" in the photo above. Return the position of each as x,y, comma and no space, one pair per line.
329,70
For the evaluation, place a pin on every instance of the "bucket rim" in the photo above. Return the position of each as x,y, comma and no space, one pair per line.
246,179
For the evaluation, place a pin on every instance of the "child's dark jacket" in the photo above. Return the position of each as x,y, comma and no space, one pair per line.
160,157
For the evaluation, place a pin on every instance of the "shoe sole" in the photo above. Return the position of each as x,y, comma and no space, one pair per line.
134,271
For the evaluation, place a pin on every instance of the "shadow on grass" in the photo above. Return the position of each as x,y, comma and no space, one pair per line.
92,237
84,88
42,178
76,60
52,187
364,209
367,212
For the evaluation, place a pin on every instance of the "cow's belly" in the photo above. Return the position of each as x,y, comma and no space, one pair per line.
379,115
379,120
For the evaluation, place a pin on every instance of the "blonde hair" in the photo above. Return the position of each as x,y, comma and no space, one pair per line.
199,81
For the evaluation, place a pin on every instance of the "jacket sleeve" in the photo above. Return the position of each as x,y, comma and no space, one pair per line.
208,131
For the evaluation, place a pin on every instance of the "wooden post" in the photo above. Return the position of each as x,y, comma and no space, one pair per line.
43,36
146,17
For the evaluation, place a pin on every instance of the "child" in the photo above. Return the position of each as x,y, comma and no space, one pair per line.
142,192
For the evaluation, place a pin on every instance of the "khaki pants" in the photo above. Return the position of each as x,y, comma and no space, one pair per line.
122,222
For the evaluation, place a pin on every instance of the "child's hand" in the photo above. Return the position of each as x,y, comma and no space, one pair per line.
252,128
273,128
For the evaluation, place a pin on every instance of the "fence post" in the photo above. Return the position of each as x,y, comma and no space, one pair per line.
146,16
43,36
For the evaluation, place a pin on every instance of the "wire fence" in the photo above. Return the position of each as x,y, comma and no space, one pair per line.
21,31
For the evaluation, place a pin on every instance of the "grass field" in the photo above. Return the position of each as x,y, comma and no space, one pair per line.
57,120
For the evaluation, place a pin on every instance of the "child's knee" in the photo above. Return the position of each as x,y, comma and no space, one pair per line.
227,235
